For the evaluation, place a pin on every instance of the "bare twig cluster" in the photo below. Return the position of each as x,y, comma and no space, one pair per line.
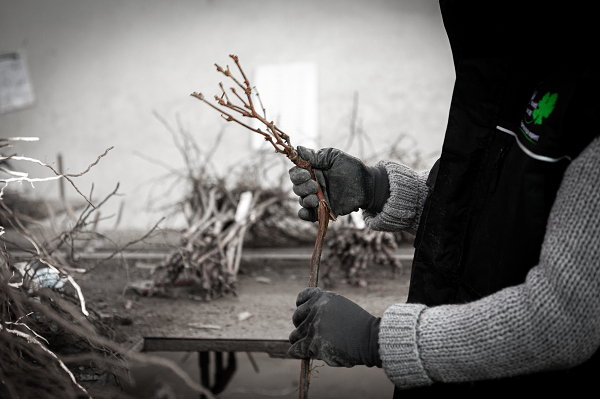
21,176
278,139
41,250
49,336
219,216
356,251
25,303
274,135
212,246
48,346
38,329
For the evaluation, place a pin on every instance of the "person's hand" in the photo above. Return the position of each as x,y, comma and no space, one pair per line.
347,183
334,329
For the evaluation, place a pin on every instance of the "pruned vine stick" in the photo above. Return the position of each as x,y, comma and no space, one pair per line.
315,262
281,143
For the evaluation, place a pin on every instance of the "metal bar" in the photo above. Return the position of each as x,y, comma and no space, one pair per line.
273,347
246,255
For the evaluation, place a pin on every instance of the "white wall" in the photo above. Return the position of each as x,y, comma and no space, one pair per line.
99,69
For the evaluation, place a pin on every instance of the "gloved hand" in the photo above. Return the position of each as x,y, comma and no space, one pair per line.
334,329
347,183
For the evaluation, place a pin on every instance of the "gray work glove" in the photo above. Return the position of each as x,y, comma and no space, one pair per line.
334,329
347,183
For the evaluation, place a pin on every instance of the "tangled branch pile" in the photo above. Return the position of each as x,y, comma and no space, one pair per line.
39,333
355,250
219,218
52,344
211,247
36,322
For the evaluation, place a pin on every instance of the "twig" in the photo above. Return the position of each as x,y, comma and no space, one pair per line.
17,323
34,341
58,175
282,144
278,139
81,222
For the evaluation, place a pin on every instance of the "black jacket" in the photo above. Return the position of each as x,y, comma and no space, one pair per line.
523,106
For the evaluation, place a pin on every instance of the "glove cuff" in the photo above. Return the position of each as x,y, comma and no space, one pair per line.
381,188
364,342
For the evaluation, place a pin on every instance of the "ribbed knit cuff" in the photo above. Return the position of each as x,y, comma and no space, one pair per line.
403,208
398,347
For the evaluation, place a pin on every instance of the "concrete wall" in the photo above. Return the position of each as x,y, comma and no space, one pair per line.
100,68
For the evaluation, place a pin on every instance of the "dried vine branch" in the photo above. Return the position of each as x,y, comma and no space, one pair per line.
45,337
282,144
274,135
354,250
20,176
278,139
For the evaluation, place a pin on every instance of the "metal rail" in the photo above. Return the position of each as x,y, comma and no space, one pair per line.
273,347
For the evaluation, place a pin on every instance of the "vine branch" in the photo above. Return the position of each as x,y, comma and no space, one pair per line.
20,176
282,144
273,134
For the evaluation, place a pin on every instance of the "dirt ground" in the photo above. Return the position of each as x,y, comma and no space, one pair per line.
262,308
268,283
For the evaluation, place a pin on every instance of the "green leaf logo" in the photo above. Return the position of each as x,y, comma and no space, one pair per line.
545,107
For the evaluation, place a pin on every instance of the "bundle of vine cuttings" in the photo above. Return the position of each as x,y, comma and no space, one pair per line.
220,214
211,247
357,250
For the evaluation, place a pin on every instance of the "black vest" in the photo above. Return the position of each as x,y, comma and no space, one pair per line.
523,107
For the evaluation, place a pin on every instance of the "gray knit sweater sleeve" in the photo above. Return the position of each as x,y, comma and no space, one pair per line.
402,210
551,321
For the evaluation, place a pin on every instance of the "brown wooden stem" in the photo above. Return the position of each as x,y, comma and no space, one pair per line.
281,143
315,262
